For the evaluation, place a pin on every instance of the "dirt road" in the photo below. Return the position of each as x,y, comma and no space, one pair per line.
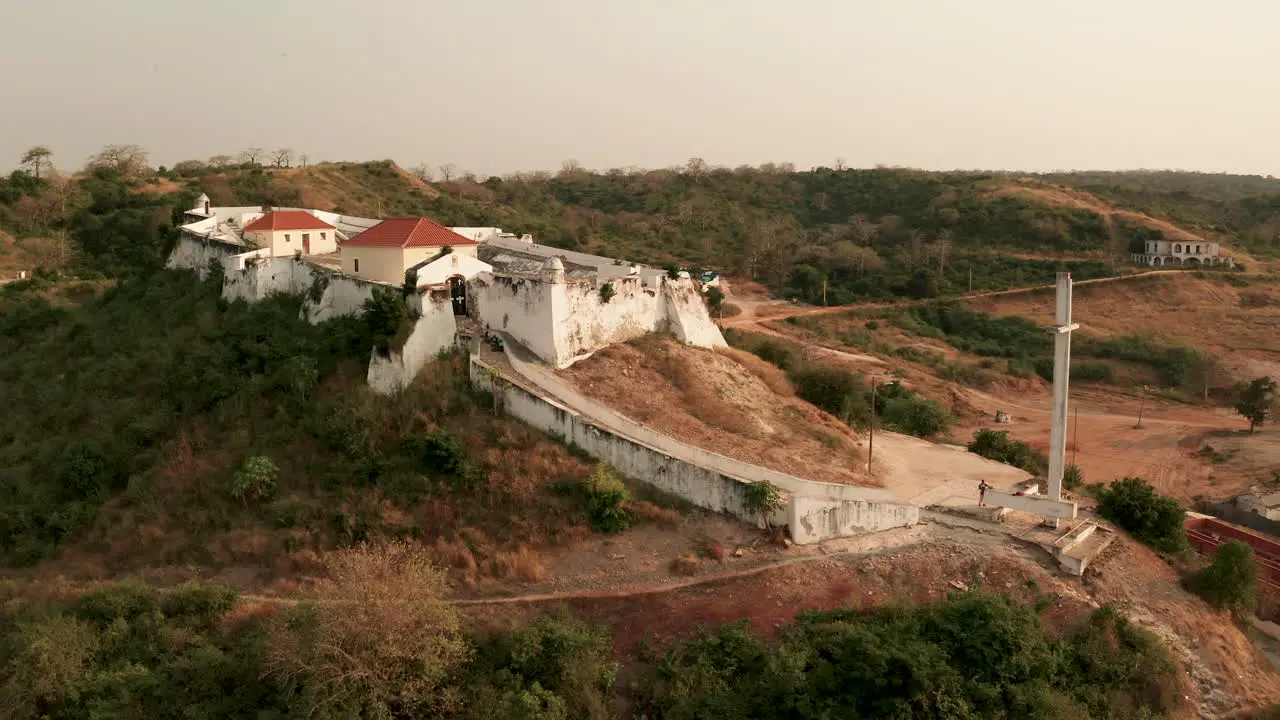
755,310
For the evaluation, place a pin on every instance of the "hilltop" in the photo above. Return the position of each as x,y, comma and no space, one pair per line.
824,236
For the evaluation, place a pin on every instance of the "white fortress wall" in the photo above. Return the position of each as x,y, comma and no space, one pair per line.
199,253
521,306
434,330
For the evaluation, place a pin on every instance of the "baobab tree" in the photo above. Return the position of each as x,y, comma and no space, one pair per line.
447,171
251,155
220,161
128,160
37,157
422,171
282,157
696,168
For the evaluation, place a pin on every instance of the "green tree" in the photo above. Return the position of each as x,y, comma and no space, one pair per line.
255,481
1155,520
998,446
386,316
924,284
762,498
715,300
1231,580
36,158
1257,401
606,501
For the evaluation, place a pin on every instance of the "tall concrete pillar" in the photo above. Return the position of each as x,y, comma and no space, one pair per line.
1061,375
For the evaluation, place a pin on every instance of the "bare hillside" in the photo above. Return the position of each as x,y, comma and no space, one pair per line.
730,403
1237,318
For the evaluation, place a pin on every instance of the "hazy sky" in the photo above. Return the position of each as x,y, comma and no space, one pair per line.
500,85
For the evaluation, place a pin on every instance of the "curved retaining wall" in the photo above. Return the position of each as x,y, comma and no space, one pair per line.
815,511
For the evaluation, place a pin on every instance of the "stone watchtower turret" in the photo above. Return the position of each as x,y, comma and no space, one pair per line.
553,271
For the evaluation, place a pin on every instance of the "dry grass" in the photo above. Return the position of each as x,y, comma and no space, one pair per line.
648,512
525,564
243,545
710,400
698,396
455,554
686,564
770,374
711,549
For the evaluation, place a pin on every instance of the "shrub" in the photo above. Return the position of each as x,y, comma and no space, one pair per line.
996,445
378,642
553,668
387,320
438,452
255,481
198,603
606,502
1071,478
916,416
762,498
1090,372
715,300
836,390
607,292
1134,505
684,564
967,657
1231,580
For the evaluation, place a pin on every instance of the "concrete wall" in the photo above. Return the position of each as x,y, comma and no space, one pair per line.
435,330
196,253
815,511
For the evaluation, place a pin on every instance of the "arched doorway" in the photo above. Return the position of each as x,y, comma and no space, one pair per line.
458,293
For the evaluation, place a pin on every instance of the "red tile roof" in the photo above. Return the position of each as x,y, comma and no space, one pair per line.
408,233
288,220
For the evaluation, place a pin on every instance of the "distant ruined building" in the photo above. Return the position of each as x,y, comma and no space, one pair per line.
1179,253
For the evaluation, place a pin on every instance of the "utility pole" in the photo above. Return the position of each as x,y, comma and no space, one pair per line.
1141,405
970,277
824,292
871,436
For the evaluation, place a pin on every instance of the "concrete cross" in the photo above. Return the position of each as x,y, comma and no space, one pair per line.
1050,505
1061,375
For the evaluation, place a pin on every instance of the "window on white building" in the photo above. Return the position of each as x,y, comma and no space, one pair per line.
286,237
356,264
322,237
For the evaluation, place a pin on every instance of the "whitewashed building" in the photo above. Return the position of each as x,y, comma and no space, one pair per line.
1181,253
